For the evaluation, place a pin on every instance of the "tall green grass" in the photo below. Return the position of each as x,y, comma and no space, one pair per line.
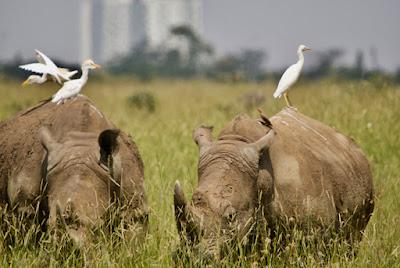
367,113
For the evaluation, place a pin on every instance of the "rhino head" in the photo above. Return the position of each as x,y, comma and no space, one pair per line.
231,183
83,174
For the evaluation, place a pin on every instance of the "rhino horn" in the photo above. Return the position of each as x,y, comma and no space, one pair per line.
203,136
183,217
264,142
179,197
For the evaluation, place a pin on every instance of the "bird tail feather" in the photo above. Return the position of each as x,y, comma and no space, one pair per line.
70,74
277,95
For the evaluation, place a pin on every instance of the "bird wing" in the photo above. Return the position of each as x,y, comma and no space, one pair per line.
63,70
36,68
39,58
67,73
42,58
288,78
53,69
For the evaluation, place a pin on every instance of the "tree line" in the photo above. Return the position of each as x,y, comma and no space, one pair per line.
199,60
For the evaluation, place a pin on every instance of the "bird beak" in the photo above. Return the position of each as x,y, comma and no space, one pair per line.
25,83
307,48
97,66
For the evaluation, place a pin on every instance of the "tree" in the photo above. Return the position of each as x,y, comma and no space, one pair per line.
397,75
325,62
359,64
196,45
247,64
251,61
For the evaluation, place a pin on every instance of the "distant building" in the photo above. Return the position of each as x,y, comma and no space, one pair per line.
161,15
112,32
117,26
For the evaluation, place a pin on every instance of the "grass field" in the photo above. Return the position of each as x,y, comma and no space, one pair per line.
367,111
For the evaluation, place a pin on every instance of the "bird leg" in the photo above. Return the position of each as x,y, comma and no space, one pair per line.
287,99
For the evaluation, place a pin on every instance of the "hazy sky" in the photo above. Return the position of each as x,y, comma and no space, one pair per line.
230,25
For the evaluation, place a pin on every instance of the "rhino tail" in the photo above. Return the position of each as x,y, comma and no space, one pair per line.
263,119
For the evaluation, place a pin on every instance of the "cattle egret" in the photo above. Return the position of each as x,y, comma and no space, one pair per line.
45,66
73,87
290,76
35,79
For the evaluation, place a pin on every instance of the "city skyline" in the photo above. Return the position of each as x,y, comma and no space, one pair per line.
229,25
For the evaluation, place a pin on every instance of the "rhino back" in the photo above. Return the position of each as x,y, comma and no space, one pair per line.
21,153
317,170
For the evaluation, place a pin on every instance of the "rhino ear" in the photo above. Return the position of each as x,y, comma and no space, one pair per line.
47,139
203,136
108,144
264,142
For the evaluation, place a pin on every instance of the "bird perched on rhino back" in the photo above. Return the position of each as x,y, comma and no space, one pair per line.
46,66
69,90
290,76
72,88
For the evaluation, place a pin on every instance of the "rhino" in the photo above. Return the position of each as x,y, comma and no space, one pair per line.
71,165
273,175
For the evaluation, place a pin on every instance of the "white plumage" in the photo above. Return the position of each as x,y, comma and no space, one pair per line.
290,76
72,88
46,67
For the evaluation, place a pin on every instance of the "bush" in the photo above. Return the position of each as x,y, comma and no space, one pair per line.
143,100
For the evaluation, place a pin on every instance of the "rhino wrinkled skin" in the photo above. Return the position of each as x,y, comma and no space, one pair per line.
73,161
294,169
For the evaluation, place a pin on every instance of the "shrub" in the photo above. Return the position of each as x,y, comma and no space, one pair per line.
143,100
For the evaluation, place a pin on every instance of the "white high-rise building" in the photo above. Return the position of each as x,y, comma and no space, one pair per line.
162,15
86,29
120,25
112,32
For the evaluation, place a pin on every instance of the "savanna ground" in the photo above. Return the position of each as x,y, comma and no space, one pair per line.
368,111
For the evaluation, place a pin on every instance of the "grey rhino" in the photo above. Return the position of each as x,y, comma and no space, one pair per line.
261,174
75,163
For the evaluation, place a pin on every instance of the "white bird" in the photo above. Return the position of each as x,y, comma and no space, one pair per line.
45,66
73,87
290,76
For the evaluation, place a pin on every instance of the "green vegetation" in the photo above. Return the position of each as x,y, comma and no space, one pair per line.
362,110
142,100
